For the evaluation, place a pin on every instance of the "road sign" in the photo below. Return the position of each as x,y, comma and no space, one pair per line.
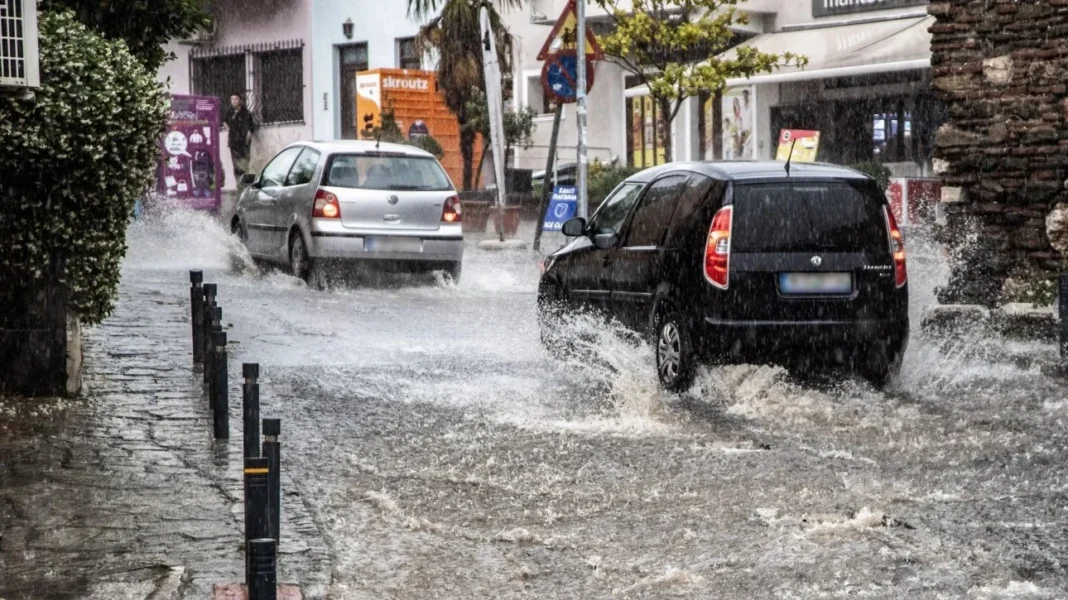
564,36
562,207
559,77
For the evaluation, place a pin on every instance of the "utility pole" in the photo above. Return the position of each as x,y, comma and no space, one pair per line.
580,107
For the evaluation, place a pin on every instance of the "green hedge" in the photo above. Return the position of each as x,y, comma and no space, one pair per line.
73,160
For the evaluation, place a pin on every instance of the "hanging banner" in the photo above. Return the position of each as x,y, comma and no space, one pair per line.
739,118
805,144
190,172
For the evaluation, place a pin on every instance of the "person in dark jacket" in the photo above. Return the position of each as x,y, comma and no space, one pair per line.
241,125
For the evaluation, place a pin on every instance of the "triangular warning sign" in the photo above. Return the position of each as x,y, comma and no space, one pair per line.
564,31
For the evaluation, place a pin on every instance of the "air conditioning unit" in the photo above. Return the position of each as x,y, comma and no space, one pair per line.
19,59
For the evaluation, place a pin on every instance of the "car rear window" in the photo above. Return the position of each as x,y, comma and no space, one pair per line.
387,172
807,216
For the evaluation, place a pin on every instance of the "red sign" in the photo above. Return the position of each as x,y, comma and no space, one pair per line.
559,77
565,32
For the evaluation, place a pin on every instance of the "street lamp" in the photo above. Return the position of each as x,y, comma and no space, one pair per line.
346,28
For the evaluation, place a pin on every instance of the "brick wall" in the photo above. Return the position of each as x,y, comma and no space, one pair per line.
1001,67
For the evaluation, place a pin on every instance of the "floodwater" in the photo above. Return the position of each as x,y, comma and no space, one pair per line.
443,454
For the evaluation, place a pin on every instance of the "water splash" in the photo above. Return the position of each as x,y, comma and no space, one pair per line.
182,239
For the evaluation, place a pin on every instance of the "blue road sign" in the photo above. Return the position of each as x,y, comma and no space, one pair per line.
559,76
562,207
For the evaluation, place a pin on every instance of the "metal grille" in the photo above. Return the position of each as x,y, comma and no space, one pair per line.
270,76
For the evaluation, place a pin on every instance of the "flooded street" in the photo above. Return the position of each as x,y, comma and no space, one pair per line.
439,452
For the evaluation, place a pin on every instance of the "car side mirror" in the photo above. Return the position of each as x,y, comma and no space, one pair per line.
574,227
606,240
248,179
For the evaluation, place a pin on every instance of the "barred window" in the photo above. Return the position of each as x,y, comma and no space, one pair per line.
408,54
269,76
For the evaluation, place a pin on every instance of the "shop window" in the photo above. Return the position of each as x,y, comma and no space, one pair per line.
647,134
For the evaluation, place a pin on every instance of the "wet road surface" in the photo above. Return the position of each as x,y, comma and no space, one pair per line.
436,450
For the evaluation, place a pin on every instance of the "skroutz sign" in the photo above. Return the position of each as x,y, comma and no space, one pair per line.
827,8
372,86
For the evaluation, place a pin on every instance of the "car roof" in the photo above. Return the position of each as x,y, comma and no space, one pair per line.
738,170
361,147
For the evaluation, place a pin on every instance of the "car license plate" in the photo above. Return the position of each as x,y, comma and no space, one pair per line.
392,244
816,283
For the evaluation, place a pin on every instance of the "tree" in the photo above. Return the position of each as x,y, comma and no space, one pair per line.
390,131
674,47
73,160
519,125
144,26
455,37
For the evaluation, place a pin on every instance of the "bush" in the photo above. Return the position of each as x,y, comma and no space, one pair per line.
73,160
877,171
603,180
428,144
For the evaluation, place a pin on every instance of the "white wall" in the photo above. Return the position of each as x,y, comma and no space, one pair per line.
378,23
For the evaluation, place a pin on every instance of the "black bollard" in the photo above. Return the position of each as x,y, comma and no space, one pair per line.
1062,293
257,519
210,301
213,323
196,303
220,390
272,451
263,569
250,409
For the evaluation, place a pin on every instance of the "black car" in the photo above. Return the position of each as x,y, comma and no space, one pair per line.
740,261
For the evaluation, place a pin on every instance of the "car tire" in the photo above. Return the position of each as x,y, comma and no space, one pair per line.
676,355
551,305
879,365
300,264
237,229
453,272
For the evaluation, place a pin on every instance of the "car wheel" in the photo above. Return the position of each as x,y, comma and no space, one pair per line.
236,228
551,306
879,365
675,356
454,271
299,263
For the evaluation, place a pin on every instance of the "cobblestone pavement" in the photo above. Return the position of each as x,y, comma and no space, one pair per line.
123,493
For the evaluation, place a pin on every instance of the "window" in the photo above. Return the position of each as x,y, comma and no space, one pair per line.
387,172
270,76
354,56
304,168
653,216
274,174
408,54
818,216
613,213
647,133
537,99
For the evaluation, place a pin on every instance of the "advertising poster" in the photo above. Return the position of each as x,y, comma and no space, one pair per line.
805,144
739,116
710,127
561,207
190,173
368,102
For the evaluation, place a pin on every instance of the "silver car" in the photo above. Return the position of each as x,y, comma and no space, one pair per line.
326,202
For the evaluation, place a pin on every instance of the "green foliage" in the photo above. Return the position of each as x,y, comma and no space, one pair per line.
673,46
390,132
455,36
877,171
602,180
145,25
73,160
429,144
519,125
1038,290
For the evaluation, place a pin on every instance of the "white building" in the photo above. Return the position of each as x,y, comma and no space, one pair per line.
295,61
865,89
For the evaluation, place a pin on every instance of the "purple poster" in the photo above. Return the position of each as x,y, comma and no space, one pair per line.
190,173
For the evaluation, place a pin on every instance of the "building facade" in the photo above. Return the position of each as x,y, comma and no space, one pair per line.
866,89
295,62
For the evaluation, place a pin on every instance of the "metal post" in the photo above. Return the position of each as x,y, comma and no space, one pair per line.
221,400
263,569
1062,294
272,451
250,408
210,293
580,107
257,522
196,302
213,321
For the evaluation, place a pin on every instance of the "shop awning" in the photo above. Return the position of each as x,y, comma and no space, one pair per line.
847,50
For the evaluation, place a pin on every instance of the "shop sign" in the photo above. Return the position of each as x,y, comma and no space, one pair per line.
562,207
798,145
189,173
827,8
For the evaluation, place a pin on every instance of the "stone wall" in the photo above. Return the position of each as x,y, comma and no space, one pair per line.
1001,67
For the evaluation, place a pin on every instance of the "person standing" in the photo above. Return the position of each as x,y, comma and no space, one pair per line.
241,125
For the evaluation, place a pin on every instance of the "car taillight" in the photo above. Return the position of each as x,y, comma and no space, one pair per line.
451,212
718,249
326,206
897,248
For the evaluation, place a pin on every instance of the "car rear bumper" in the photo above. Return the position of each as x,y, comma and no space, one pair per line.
445,244
765,338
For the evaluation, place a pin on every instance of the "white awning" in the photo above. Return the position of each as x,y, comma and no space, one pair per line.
847,50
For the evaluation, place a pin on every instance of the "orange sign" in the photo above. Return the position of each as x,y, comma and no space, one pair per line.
564,36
